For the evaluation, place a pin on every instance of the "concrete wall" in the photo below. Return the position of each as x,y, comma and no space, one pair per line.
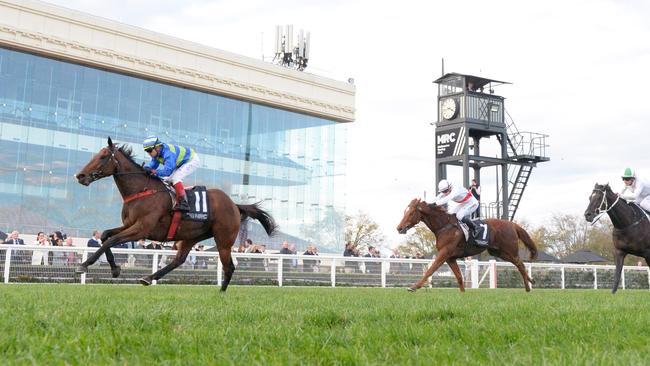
62,33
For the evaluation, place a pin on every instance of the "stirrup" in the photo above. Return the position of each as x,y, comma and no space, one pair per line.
182,205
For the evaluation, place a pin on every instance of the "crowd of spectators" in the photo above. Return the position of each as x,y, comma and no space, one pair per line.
41,257
351,250
48,257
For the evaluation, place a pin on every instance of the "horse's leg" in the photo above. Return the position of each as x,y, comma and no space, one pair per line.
619,257
183,249
228,267
225,233
131,233
440,259
110,258
522,270
459,277
110,232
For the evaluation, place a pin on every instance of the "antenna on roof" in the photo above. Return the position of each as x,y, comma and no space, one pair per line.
286,53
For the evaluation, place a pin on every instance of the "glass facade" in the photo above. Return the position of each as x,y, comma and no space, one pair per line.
55,115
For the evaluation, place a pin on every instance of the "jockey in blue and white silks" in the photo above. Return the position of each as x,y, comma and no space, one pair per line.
172,163
466,201
636,189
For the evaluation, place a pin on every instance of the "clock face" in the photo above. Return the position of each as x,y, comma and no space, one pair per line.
448,108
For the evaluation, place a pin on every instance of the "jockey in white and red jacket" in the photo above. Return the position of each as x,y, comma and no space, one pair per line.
467,203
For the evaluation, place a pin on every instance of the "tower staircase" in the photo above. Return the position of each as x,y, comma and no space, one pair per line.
525,150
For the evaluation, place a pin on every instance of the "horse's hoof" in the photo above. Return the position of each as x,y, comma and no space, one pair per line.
144,281
411,289
116,271
81,269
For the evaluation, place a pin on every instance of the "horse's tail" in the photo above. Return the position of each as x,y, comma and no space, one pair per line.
528,242
254,211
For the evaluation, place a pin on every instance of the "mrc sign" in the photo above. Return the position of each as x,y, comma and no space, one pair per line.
450,142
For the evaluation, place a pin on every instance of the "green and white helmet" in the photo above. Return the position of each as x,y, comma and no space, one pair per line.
629,173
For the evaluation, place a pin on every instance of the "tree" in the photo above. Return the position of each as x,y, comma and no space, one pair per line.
361,230
567,233
420,240
540,235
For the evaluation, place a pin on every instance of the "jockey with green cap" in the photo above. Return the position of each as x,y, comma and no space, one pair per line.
172,163
637,190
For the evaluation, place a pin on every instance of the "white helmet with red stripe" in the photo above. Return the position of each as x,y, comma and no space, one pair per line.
443,186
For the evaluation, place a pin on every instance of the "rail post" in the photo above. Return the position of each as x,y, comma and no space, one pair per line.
84,257
493,273
154,267
7,264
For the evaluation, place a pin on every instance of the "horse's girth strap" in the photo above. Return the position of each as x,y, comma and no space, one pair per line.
132,197
176,219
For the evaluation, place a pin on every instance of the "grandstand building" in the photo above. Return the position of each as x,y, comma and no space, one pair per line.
68,80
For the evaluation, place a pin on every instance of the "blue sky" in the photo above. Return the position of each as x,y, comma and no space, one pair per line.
579,71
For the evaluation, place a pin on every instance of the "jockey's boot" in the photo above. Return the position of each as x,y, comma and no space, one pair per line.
181,199
470,225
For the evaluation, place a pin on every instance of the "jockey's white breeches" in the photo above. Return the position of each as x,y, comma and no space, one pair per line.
465,209
186,169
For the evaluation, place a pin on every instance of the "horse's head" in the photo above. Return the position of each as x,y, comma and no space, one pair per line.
103,164
598,201
412,215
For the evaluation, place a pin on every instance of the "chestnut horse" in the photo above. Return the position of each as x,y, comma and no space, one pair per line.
631,234
451,243
146,214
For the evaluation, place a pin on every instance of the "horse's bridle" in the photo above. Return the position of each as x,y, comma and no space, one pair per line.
407,228
419,210
99,172
603,210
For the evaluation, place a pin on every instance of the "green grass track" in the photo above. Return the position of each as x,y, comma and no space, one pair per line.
197,325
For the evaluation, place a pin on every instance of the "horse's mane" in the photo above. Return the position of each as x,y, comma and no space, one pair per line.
128,153
638,211
432,206
440,208
436,207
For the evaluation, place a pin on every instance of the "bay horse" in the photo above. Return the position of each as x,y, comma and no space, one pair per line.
146,214
631,234
451,244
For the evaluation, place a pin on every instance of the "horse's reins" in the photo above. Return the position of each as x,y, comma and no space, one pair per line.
607,208
444,227
99,173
